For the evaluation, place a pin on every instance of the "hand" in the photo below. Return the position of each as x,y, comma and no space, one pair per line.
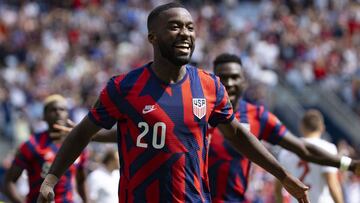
47,189
69,126
296,188
62,129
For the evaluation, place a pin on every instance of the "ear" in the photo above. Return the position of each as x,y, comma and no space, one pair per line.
151,37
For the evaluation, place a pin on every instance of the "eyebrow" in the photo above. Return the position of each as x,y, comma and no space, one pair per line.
180,22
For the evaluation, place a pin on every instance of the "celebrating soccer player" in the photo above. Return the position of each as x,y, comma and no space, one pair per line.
162,111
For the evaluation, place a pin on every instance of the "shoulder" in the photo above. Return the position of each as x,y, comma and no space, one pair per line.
207,80
201,72
97,175
128,76
33,140
323,144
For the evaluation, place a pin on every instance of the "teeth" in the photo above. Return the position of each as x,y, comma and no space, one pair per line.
183,45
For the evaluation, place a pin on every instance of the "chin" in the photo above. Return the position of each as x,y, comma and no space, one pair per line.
181,60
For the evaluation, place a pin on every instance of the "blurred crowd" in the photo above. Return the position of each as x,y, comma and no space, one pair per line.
73,47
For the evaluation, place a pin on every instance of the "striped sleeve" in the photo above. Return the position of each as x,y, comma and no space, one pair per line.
223,111
273,130
106,112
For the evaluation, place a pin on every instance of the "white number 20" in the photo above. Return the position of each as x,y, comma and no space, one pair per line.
155,136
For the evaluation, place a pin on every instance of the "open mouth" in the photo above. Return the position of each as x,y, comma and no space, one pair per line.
183,47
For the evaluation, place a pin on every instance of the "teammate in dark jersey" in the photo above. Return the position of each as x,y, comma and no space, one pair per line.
162,111
228,169
36,155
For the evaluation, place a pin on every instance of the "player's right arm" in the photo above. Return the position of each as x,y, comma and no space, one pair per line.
334,186
11,176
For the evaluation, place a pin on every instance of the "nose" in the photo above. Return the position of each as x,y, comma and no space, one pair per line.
228,82
184,32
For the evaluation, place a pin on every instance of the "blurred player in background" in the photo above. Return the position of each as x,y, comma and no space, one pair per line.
103,182
37,154
323,180
162,111
228,169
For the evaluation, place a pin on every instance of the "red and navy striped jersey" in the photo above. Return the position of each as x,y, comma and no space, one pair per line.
228,169
36,156
162,132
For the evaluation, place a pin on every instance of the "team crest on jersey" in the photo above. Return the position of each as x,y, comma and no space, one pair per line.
199,107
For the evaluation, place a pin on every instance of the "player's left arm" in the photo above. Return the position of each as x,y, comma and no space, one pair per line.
81,184
334,186
104,136
312,153
248,145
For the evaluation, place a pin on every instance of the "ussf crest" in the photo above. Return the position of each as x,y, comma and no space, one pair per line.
199,107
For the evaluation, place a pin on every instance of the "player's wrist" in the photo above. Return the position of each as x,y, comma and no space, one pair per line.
345,163
51,180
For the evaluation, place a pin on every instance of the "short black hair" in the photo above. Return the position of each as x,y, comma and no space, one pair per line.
226,58
156,11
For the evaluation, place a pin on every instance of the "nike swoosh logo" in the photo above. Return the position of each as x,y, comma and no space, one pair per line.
145,111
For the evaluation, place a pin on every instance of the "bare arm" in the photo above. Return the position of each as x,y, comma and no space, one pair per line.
73,145
248,145
12,175
312,153
106,136
334,187
81,184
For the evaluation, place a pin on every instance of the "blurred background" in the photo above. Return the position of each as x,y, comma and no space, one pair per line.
299,54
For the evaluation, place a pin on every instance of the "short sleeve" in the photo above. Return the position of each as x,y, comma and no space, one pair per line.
331,148
106,112
272,130
223,111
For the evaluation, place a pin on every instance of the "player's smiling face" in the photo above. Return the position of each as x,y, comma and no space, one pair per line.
233,78
175,35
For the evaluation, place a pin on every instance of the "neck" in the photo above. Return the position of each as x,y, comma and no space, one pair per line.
109,168
316,134
236,104
167,71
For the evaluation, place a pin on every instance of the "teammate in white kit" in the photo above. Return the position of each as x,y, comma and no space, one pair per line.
322,180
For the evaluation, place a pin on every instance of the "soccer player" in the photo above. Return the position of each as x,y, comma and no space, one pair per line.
162,111
37,154
323,180
228,169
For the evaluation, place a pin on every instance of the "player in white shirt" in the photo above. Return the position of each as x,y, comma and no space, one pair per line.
103,182
322,180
